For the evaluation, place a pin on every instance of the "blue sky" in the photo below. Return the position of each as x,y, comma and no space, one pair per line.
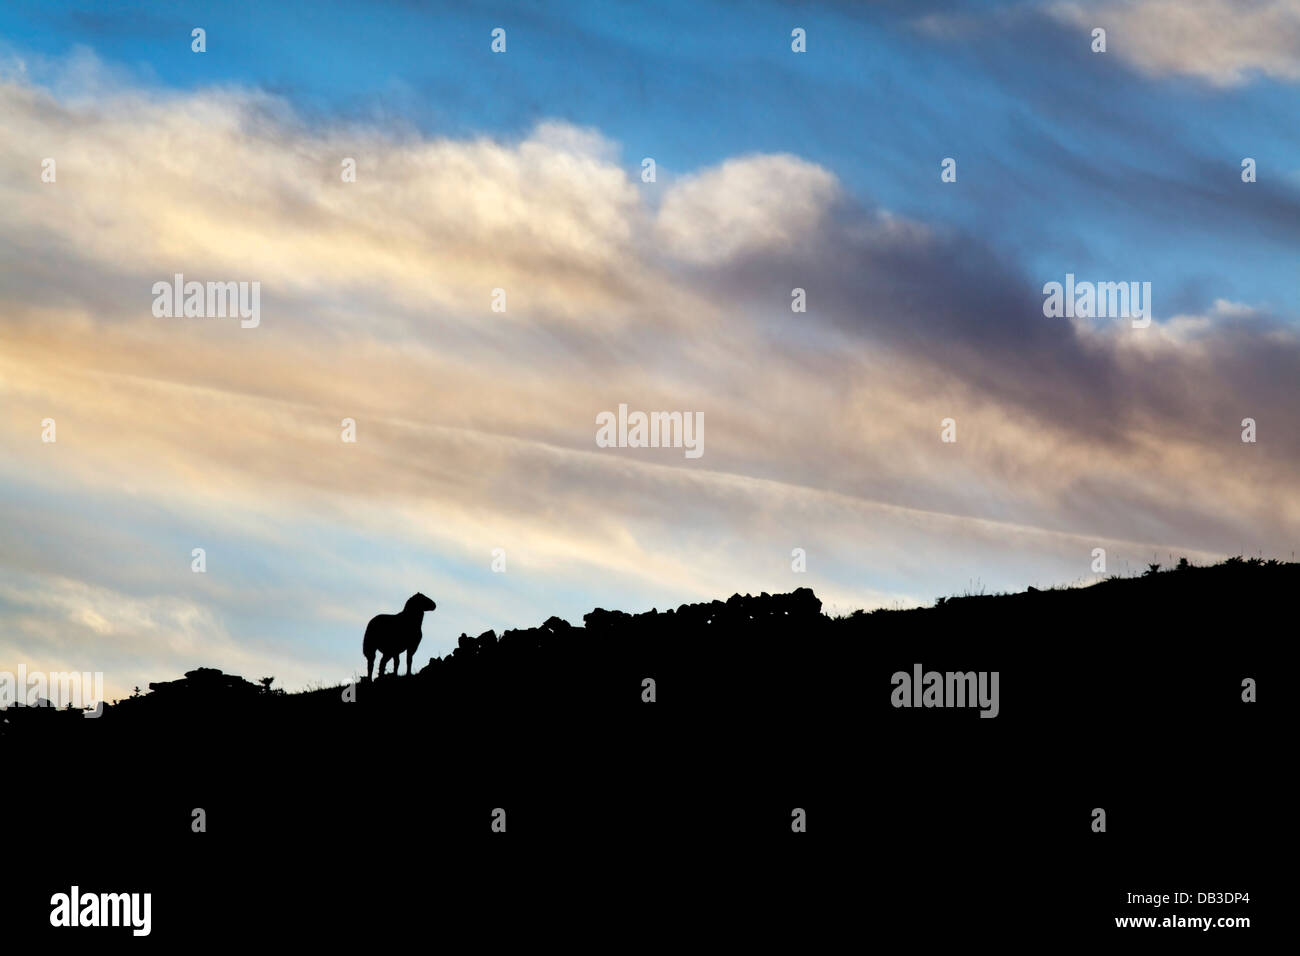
776,169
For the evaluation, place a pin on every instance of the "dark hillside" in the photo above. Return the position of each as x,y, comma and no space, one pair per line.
1118,695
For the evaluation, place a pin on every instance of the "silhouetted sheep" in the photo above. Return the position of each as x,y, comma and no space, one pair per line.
391,634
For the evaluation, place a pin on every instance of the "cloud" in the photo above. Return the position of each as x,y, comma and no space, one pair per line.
58,625
744,206
476,428
1224,42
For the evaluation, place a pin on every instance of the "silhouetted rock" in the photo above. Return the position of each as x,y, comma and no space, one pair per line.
206,683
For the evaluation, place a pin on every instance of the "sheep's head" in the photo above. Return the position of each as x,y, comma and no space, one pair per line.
419,602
